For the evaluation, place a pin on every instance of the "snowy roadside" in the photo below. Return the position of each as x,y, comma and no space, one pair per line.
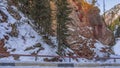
116,47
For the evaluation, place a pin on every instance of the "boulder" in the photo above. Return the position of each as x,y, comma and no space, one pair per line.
3,16
3,50
14,13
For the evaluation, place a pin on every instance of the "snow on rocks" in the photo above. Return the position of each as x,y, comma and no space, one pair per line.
20,37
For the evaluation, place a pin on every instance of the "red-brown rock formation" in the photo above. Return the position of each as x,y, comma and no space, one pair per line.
83,34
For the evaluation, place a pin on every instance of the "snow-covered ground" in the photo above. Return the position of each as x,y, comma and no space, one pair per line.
116,47
28,38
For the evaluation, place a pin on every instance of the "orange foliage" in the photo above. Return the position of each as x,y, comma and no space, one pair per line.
83,4
83,7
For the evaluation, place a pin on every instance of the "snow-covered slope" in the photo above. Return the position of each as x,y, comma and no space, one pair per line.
112,20
116,48
21,37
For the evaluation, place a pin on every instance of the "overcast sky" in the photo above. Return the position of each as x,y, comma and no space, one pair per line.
108,4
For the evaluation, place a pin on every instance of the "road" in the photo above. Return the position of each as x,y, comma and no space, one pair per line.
57,65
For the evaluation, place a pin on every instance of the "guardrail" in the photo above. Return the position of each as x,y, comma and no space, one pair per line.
58,64
52,64
70,57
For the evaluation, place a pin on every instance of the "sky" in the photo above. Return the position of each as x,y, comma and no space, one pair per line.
108,4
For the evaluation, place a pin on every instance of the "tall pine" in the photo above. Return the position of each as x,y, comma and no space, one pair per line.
42,15
62,15
40,12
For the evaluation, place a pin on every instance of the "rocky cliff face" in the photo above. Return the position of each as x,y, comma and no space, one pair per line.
112,14
112,19
84,34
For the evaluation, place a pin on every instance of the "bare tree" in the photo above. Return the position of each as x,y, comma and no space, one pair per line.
104,8
93,2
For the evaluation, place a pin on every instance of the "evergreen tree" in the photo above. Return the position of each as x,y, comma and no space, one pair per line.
24,5
42,15
63,12
40,12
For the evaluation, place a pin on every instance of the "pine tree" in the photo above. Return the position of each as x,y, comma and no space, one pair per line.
42,15
40,12
24,6
63,12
